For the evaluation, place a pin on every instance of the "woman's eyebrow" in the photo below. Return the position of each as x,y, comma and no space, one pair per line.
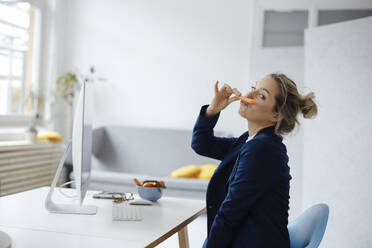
265,90
262,88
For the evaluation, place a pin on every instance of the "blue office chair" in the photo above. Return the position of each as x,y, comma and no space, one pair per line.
307,230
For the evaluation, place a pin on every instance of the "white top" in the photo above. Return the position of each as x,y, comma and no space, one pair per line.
250,137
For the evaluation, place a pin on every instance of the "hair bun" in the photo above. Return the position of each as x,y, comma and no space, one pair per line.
308,106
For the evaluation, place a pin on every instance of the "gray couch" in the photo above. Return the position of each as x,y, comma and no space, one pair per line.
121,153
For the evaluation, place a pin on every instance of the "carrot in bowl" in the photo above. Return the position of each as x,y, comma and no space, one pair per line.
137,182
149,184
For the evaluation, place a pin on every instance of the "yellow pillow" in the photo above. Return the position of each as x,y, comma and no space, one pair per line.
186,171
49,136
206,171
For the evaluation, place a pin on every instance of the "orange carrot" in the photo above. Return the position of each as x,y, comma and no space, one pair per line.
246,99
150,185
137,182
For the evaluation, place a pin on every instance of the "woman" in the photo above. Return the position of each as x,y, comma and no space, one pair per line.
248,194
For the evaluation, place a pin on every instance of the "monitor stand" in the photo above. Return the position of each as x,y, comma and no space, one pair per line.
65,208
5,240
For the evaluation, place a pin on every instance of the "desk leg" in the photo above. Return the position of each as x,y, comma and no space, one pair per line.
183,238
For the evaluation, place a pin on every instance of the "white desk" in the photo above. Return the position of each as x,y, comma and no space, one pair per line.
24,217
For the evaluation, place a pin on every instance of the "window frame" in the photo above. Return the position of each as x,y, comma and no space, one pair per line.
30,67
281,11
260,22
15,120
313,11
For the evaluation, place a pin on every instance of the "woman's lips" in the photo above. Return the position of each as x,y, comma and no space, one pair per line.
244,103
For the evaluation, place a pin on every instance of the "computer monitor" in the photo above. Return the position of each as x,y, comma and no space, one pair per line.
82,140
81,156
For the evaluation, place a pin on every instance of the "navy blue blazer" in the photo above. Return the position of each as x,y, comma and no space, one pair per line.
248,194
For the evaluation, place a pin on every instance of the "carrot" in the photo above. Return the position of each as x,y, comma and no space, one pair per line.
246,99
162,182
137,182
150,185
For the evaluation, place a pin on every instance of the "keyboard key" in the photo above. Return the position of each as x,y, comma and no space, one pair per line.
123,211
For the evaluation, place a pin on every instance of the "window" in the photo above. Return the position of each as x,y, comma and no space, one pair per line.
333,16
16,56
283,29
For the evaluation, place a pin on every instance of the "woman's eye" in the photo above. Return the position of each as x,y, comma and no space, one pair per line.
262,96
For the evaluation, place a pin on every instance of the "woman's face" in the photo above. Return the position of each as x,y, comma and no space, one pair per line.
261,112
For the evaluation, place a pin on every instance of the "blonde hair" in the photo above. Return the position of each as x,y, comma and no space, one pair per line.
289,102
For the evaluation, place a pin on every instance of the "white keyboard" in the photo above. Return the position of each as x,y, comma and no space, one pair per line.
123,211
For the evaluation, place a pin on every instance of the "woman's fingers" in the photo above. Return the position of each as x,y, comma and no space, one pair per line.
216,87
222,98
233,99
227,89
236,92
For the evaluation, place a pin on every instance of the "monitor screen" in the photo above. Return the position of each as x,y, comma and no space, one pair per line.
87,139
81,156
82,140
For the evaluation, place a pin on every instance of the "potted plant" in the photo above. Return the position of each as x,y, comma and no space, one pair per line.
67,88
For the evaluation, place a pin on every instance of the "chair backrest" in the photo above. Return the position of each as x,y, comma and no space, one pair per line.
307,230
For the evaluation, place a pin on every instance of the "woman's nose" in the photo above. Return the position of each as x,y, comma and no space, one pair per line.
251,94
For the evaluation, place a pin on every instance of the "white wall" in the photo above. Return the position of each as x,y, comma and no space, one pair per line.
337,164
160,58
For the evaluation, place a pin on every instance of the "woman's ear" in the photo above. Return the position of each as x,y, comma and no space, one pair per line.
277,116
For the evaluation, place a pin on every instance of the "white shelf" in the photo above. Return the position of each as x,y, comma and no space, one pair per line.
26,145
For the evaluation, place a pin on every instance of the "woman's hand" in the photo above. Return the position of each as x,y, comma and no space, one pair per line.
222,98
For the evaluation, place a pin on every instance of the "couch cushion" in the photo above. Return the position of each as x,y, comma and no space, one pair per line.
186,171
142,150
206,171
